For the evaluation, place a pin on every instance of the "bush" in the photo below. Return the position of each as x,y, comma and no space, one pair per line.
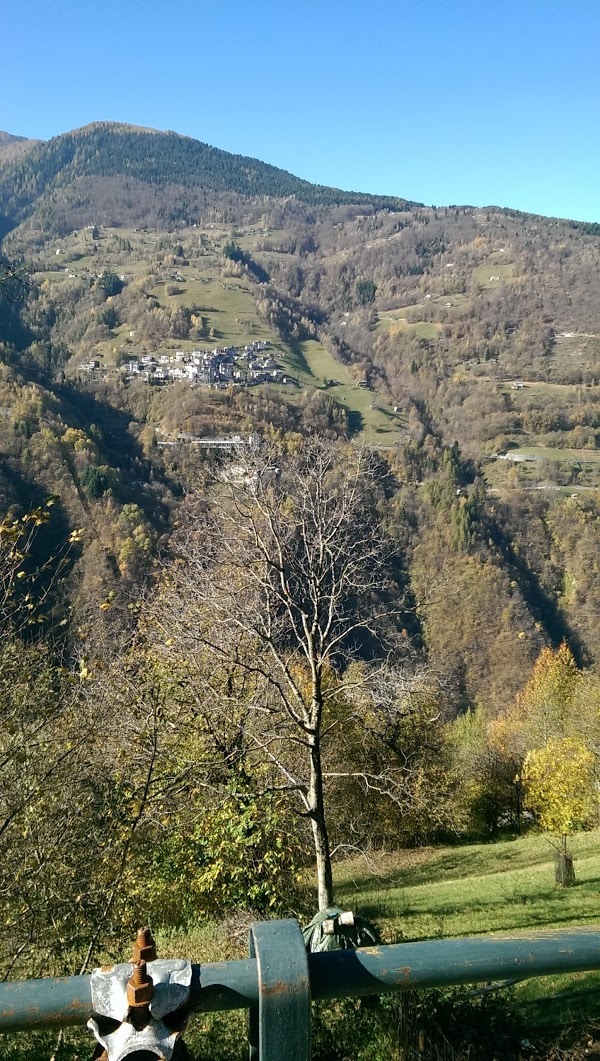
237,856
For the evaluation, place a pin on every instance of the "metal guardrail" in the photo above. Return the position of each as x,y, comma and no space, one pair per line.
277,984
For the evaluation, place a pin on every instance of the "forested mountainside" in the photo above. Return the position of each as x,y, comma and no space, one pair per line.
299,513
13,148
7,139
107,149
461,343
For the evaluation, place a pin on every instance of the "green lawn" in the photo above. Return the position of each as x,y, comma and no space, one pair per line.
467,890
500,887
481,888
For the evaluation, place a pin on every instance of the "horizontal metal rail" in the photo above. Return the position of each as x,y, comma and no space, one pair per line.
51,1003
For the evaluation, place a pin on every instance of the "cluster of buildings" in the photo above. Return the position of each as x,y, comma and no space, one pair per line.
228,443
516,458
220,367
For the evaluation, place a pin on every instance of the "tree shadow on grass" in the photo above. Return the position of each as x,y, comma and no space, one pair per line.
298,361
445,866
530,919
355,421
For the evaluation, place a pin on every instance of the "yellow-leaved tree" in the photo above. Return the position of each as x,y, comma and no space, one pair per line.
559,782
550,707
543,710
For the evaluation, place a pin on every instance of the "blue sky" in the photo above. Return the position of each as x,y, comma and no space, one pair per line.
441,102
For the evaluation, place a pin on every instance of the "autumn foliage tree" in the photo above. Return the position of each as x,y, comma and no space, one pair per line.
559,780
549,738
543,710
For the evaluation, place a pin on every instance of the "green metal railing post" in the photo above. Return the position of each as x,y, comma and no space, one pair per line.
279,1026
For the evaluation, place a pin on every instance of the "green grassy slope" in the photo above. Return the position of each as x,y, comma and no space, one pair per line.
480,888
422,894
501,887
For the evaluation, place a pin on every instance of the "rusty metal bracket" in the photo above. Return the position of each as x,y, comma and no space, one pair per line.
280,1024
119,1030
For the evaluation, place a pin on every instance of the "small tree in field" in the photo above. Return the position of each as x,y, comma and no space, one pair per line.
559,787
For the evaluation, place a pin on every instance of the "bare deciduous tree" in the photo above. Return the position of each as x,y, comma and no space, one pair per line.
280,573
13,285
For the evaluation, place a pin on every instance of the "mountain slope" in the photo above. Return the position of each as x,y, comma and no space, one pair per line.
14,147
8,138
445,336
108,149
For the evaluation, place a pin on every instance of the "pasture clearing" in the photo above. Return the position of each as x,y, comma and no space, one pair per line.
581,456
493,274
401,326
313,365
497,887
227,304
570,391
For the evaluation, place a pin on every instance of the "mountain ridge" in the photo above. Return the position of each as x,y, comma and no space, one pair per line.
13,147
156,158
9,138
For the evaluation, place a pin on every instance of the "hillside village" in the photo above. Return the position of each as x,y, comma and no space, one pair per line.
218,368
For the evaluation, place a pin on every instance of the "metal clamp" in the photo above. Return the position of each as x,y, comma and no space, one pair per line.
169,982
280,1024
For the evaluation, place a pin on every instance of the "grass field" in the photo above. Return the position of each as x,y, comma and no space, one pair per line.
551,390
228,305
469,890
395,326
500,887
583,456
429,893
370,414
412,895
253,234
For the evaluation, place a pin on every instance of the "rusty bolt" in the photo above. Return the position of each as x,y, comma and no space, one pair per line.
144,948
140,988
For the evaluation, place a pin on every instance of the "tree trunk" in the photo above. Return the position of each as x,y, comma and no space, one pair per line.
564,872
319,827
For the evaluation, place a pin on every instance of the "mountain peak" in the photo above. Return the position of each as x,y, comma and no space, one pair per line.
115,151
10,138
111,126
